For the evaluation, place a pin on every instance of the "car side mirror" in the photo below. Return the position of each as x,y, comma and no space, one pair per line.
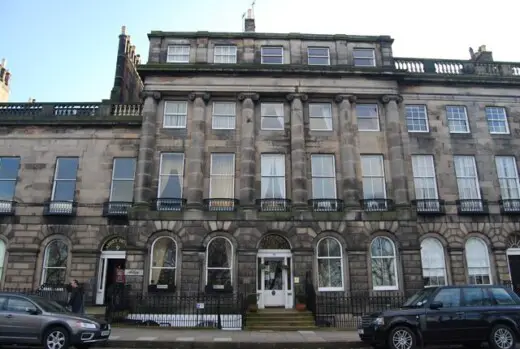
435,305
32,311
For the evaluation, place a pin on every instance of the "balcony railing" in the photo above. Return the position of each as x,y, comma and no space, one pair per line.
472,207
429,206
457,67
60,208
116,208
69,113
510,206
220,205
7,208
169,204
326,205
377,205
273,205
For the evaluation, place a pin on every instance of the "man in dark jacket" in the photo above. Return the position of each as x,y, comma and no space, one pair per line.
76,297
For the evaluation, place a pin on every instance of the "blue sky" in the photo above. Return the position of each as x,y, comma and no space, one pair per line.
63,50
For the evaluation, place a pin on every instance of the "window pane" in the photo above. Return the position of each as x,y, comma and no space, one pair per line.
382,247
172,164
56,254
502,297
66,168
164,253
329,247
450,297
175,107
9,168
324,188
124,168
170,187
330,272
7,190
64,190
122,191
475,297
272,109
272,51
383,272
372,166
219,253
55,276
224,108
272,123
223,164
272,165
318,51
219,277
364,53
323,166
162,276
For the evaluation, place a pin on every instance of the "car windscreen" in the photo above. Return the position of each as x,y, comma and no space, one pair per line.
48,305
419,299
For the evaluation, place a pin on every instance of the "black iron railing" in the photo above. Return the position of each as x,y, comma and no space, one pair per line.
377,205
510,206
429,206
326,205
472,207
273,205
60,208
169,204
221,205
116,208
7,208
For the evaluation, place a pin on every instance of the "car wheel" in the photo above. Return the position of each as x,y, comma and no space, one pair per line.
502,337
402,337
56,338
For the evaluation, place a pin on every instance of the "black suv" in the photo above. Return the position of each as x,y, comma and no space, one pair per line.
468,315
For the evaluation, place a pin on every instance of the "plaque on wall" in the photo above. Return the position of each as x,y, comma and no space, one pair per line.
134,272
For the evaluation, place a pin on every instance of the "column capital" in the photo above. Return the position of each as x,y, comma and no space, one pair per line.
153,94
389,98
340,98
248,95
301,96
205,96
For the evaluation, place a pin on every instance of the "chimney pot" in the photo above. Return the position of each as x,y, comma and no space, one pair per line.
249,22
3,63
123,30
482,48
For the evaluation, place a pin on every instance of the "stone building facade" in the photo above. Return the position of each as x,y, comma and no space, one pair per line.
259,162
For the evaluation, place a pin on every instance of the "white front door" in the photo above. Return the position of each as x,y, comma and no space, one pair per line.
275,279
102,273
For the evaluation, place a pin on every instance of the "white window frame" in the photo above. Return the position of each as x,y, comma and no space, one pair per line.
371,60
232,259
460,176
56,179
214,116
509,161
329,107
394,250
485,258
181,56
497,114
262,54
424,162
370,176
438,248
3,250
212,174
377,117
309,56
321,157
160,268
46,260
318,257
454,114
262,116
114,164
417,112
282,158
8,206
161,175
184,115
217,57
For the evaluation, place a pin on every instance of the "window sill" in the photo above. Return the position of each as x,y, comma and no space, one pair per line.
331,289
386,288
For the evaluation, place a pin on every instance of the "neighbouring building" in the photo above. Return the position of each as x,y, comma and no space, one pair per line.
5,75
261,161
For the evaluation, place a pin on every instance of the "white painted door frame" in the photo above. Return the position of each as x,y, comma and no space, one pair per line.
288,290
102,272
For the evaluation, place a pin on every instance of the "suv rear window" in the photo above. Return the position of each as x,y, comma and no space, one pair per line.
502,297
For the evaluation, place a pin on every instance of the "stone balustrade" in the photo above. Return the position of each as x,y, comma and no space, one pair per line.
457,67
69,113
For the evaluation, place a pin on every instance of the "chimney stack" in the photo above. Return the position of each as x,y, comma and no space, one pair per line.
31,100
249,22
482,55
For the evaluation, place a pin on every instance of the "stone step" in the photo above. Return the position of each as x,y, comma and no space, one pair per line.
280,322
280,328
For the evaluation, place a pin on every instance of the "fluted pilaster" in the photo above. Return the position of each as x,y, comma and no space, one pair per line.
247,148
348,149
196,149
298,154
143,177
395,148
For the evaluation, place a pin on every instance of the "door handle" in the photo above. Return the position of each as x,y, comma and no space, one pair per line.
9,316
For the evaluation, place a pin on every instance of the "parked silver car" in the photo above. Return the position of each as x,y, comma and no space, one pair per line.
34,320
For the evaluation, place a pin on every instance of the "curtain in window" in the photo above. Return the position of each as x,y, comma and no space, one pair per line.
219,261
2,258
171,176
175,114
224,116
273,176
467,179
384,264
323,177
330,265
433,263
477,260
222,181
272,116
164,261
508,177
320,116
373,177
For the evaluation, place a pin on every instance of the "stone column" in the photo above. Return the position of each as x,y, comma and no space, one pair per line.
395,148
298,155
348,149
143,177
247,149
195,153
